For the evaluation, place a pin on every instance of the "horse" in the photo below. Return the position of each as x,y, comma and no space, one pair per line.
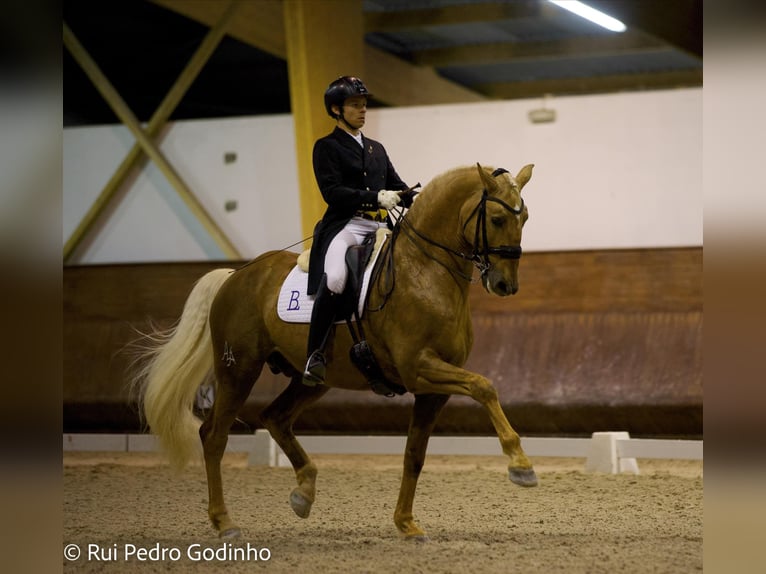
418,326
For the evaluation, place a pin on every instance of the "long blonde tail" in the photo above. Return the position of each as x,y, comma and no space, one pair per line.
172,365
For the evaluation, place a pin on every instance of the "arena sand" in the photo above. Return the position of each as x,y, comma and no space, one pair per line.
477,520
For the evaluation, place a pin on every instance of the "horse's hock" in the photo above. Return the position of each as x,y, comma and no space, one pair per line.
593,341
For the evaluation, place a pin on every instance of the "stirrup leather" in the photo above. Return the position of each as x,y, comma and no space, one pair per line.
362,357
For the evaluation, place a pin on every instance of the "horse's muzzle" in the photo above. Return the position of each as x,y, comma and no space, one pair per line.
497,284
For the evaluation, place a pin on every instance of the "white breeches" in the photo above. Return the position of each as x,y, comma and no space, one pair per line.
335,259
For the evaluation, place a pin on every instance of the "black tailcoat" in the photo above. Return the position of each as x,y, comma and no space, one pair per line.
349,177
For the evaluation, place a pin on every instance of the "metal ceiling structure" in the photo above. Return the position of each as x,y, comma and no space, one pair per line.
416,52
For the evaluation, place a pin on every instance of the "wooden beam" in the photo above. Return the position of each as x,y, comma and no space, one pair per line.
593,85
157,121
127,117
627,42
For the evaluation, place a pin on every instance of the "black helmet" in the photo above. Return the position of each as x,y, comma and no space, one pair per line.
342,88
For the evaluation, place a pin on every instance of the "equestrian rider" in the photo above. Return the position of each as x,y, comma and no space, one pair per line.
359,184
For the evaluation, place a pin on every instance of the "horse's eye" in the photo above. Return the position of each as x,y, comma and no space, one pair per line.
498,221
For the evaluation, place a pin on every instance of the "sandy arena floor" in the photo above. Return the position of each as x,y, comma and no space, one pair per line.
117,506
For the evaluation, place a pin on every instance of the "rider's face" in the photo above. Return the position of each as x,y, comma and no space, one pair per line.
355,110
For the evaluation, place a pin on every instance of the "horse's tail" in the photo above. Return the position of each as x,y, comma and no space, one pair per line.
170,367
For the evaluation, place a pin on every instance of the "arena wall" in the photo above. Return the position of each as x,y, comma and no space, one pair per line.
594,341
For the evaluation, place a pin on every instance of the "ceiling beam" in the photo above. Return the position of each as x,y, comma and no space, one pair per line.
459,14
677,22
261,24
593,85
398,83
628,42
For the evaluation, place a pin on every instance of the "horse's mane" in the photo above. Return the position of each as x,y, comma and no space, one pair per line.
454,178
458,180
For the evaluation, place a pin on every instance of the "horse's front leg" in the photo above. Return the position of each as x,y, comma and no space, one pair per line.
438,376
278,418
424,414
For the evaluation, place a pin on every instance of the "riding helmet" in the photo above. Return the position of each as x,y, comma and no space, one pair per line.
342,88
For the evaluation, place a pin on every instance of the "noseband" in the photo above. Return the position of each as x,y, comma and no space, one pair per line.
481,249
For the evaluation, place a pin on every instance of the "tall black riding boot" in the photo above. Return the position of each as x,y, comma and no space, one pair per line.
322,318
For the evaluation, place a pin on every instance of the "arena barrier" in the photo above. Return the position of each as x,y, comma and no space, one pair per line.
609,452
593,341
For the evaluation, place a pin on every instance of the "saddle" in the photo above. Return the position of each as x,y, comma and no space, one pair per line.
357,258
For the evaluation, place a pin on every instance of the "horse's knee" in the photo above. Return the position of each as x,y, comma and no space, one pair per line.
484,392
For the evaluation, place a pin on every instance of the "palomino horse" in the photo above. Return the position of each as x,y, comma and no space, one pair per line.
418,325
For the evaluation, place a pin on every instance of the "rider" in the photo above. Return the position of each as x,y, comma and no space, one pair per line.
359,184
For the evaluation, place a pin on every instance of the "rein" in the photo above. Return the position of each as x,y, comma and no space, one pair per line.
478,256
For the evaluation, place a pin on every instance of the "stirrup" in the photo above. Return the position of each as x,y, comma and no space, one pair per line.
316,369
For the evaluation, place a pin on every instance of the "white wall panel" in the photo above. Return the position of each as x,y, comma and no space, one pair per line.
613,171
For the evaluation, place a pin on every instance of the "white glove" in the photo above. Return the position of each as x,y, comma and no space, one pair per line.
388,199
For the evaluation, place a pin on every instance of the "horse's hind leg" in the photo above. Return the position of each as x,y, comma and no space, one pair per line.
424,414
233,388
278,418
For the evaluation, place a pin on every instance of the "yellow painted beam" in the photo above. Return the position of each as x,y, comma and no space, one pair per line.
324,41
126,116
157,121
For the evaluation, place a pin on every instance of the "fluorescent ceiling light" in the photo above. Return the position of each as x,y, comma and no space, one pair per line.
585,11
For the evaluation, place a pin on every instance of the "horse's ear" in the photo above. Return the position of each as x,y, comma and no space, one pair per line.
524,175
489,182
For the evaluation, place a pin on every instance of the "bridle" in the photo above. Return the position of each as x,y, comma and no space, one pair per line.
384,275
481,250
481,258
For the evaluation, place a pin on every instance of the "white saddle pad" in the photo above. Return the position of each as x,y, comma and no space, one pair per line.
294,305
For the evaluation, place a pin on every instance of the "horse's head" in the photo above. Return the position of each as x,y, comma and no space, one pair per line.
492,227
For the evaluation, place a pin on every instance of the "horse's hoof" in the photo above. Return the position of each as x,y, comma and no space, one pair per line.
300,504
230,533
522,476
419,538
